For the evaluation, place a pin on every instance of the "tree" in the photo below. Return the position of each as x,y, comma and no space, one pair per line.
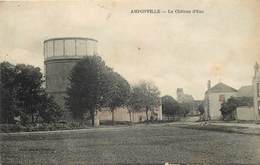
201,109
145,95
7,90
48,109
23,95
88,87
184,109
118,91
170,106
227,109
28,87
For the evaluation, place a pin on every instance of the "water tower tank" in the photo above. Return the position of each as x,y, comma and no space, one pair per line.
60,56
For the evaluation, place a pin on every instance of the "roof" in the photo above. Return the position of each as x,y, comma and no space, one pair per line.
221,87
246,91
70,38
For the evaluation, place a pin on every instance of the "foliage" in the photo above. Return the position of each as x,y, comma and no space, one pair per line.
144,95
184,109
228,108
7,88
201,109
88,87
170,106
118,91
48,109
23,96
7,128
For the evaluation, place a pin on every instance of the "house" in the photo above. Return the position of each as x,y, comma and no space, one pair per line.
245,91
221,92
214,97
252,111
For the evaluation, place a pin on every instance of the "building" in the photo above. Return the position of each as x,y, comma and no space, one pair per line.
251,111
122,114
214,97
182,97
245,112
245,91
256,90
60,56
189,101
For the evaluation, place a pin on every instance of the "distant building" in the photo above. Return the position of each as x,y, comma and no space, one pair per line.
187,99
182,97
214,97
256,90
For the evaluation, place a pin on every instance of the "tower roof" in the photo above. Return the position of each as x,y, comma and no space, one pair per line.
221,87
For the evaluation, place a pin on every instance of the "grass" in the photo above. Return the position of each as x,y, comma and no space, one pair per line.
143,144
219,128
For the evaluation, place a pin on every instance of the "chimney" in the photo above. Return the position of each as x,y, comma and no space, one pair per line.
256,68
209,84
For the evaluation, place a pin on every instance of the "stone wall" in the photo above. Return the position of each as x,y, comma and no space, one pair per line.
122,114
245,113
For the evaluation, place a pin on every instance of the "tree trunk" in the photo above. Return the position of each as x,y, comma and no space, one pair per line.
37,118
130,116
32,118
92,114
113,116
146,111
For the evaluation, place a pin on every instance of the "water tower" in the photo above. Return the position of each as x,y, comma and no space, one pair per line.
60,56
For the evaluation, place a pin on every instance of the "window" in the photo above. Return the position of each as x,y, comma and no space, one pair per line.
70,48
58,48
49,49
81,47
222,98
90,48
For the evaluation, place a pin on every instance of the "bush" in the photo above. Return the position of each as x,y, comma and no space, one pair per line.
8,128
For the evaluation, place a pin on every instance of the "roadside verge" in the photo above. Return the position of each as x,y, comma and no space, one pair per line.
221,127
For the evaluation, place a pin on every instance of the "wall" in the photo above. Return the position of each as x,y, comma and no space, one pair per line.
57,73
245,113
122,114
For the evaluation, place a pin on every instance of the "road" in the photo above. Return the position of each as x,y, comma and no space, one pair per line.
154,144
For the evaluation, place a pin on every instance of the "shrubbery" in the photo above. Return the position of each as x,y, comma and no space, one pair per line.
228,108
8,128
23,98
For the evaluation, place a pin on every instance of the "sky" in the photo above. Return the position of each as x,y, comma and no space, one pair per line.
173,50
